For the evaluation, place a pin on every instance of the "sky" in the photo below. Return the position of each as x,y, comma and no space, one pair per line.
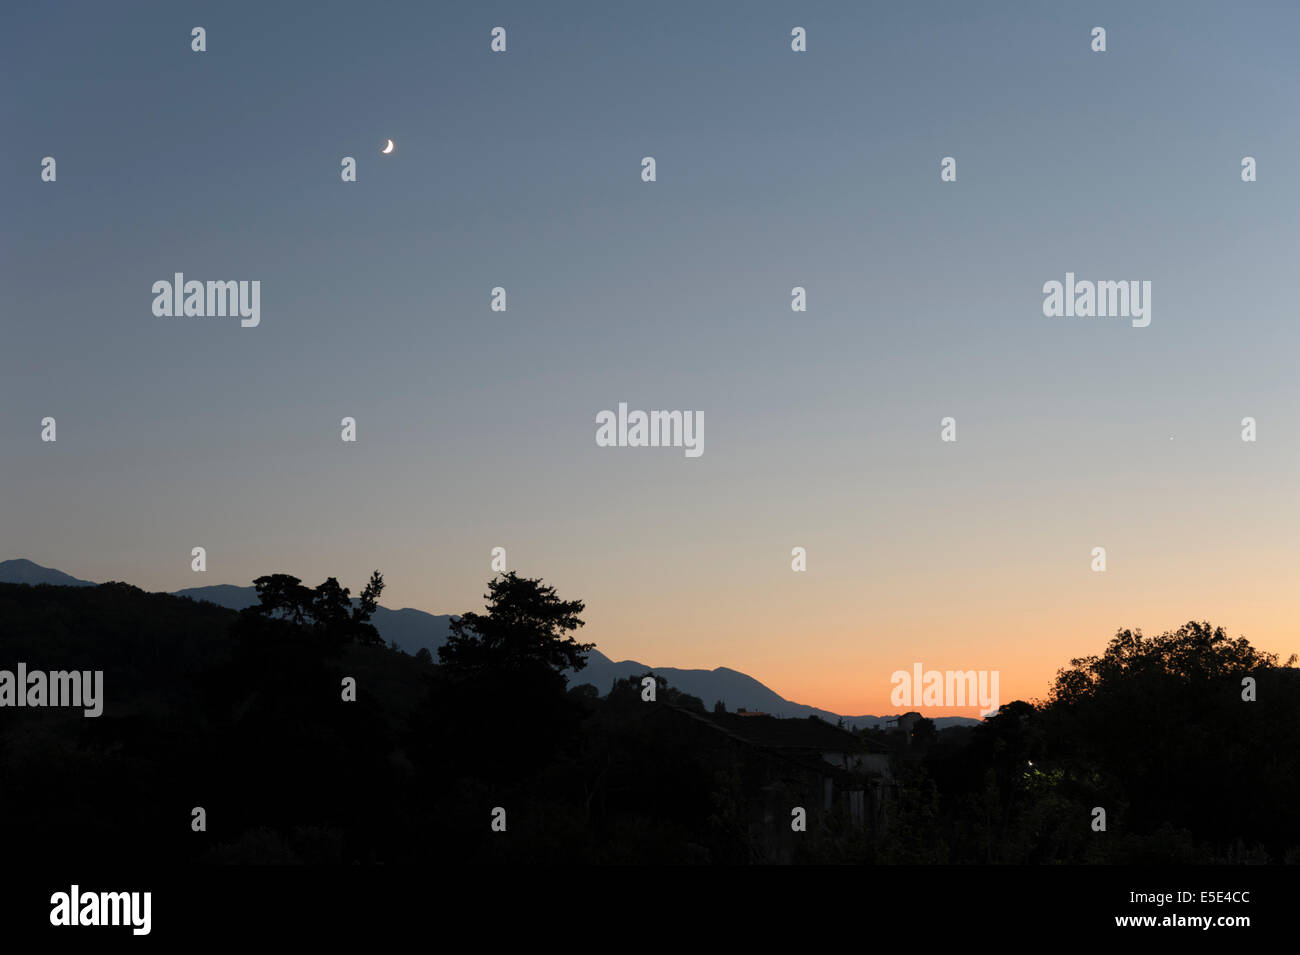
774,169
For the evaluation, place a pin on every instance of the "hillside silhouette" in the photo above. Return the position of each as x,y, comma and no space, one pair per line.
415,630
243,713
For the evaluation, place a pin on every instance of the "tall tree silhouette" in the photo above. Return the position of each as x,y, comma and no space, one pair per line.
1192,656
325,613
1163,724
526,624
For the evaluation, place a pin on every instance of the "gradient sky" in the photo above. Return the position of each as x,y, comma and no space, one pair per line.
775,169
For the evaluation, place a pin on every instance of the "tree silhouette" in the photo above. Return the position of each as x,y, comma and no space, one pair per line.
525,625
626,692
326,613
1191,656
1161,724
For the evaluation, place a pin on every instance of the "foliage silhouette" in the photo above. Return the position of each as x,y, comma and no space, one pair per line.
325,613
525,624
241,713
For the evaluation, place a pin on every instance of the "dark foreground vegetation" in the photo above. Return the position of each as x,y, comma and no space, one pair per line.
245,715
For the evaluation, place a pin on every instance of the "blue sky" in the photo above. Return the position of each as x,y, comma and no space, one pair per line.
775,169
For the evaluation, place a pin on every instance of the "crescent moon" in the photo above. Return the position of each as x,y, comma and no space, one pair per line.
387,149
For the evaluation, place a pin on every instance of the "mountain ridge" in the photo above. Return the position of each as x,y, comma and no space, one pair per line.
412,630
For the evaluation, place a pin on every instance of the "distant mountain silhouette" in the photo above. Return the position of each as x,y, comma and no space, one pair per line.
734,688
414,629
410,629
26,572
223,595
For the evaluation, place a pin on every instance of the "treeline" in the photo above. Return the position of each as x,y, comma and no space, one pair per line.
304,740
1186,746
